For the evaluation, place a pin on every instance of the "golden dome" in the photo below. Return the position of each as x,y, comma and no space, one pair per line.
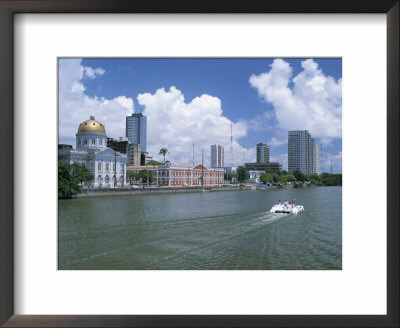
92,126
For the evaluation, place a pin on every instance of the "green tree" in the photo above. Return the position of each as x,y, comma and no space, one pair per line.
163,152
71,178
132,176
229,176
81,173
282,178
290,178
327,179
299,176
153,163
146,176
313,178
266,177
242,174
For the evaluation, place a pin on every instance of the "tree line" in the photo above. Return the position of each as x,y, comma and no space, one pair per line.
324,179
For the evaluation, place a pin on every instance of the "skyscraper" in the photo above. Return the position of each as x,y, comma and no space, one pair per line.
217,156
136,129
262,153
300,152
316,156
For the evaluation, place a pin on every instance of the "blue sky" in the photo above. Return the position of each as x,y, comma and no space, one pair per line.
195,100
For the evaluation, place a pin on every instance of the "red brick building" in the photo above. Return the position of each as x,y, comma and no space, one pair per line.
182,175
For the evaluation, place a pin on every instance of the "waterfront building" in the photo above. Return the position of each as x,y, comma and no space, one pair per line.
145,158
123,146
271,167
262,153
316,157
217,156
120,145
182,175
107,165
134,154
136,129
255,176
300,152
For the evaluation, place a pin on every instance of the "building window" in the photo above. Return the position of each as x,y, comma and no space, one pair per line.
93,142
107,167
113,167
122,167
107,179
99,180
101,142
85,142
99,167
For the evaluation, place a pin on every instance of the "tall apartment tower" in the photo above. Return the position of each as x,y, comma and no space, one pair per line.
217,156
262,153
136,129
316,156
300,152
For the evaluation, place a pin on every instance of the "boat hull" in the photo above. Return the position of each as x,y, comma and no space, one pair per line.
287,209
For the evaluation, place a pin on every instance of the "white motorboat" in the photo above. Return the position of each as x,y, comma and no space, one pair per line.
287,208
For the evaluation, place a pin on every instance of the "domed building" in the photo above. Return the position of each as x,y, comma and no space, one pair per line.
107,166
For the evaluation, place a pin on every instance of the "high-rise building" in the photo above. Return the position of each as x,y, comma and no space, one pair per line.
217,156
300,152
136,129
262,153
316,156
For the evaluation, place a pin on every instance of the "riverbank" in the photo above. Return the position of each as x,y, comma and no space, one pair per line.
159,190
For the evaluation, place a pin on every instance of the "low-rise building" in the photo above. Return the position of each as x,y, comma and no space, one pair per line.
255,176
182,175
271,167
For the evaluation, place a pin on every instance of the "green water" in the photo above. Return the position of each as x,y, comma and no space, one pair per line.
228,230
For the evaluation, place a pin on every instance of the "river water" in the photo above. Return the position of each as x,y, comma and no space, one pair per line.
227,230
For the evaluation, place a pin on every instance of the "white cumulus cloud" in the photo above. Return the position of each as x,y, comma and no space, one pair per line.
93,73
75,106
309,101
176,125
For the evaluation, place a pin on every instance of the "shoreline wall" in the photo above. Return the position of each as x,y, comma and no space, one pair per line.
143,191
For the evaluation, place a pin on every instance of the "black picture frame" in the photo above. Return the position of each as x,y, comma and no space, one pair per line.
7,10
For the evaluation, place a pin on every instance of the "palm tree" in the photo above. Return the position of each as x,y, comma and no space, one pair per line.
163,151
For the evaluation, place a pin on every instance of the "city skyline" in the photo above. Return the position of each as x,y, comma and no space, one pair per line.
196,101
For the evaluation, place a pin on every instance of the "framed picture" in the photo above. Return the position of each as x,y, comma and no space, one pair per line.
177,280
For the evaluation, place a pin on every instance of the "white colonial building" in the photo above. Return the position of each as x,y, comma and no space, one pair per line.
107,166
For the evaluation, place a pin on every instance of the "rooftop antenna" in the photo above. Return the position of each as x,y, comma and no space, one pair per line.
202,167
193,153
243,153
321,157
231,147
